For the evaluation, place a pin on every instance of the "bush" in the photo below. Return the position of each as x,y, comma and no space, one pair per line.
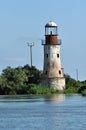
70,90
21,89
82,88
83,92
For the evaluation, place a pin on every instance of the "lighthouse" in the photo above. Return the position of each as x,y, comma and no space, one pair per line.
53,73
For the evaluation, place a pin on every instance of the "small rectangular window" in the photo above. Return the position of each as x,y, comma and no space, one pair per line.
47,55
58,55
46,72
59,71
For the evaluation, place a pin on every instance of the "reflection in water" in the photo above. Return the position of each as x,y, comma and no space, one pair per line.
56,98
53,116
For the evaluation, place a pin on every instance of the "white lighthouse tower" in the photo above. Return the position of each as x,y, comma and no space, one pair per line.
53,73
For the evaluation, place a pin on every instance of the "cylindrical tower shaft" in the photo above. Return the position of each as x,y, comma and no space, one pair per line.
52,63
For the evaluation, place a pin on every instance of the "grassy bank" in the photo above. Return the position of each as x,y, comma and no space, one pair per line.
38,89
31,89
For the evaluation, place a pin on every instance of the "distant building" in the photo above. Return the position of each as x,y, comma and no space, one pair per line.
53,73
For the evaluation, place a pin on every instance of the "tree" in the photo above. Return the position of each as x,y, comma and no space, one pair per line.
33,74
14,76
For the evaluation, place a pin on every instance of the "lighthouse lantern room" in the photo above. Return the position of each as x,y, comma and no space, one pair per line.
53,73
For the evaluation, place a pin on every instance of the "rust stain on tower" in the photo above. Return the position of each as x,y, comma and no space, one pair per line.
51,39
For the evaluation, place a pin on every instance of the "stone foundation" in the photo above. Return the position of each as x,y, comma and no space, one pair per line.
55,83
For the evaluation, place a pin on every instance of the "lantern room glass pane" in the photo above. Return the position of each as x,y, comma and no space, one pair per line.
51,30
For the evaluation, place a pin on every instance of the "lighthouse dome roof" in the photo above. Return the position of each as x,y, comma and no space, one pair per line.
51,24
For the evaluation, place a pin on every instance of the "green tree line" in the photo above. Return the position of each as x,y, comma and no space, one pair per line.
26,80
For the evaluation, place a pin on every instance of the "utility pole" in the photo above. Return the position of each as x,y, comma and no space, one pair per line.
77,74
31,45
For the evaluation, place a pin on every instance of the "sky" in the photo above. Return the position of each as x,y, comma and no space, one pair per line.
23,21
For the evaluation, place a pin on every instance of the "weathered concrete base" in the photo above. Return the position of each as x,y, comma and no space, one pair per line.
55,83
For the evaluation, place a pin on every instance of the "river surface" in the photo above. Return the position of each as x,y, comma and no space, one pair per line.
56,112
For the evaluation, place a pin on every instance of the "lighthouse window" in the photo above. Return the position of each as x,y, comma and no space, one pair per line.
47,55
58,55
46,72
59,71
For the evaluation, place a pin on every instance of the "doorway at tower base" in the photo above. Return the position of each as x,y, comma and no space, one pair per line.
55,83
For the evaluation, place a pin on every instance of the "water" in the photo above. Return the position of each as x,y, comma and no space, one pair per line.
56,112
